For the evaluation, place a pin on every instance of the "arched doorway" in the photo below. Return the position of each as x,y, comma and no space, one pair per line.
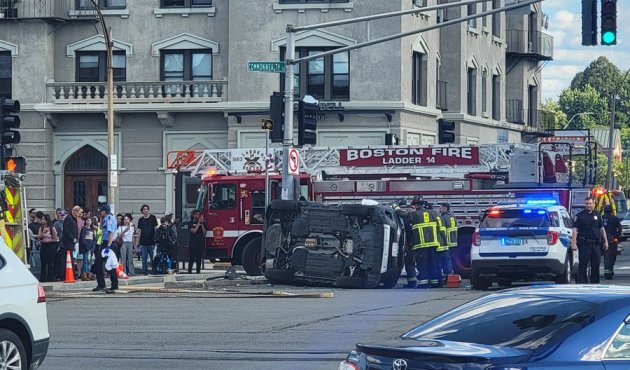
85,178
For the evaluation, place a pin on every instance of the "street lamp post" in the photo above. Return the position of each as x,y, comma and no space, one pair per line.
111,156
574,116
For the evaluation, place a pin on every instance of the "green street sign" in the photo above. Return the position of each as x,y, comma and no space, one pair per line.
273,67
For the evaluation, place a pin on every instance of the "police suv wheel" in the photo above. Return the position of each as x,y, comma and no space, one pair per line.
12,352
565,277
480,283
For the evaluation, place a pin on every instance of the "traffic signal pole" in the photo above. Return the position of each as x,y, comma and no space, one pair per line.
288,192
287,180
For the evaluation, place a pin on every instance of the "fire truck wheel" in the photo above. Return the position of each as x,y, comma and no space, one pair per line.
285,205
250,259
355,210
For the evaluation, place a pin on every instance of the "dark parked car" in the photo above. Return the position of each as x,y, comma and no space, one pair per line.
348,245
535,328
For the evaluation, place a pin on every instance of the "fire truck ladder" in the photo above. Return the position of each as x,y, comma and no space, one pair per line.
315,160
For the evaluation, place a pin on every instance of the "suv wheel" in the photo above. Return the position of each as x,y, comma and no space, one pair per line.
480,283
12,353
565,277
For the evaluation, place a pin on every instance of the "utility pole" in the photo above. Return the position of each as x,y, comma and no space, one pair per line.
111,155
611,132
287,179
290,61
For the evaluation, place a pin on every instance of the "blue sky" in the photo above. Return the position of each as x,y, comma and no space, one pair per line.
570,57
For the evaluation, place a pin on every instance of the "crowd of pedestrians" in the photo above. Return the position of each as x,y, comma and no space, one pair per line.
89,240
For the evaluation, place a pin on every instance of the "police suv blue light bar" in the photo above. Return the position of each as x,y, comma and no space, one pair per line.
541,202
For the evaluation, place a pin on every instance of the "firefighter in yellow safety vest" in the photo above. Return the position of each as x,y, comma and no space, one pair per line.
449,240
426,226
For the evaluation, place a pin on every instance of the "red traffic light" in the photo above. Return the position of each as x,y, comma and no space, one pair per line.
15,164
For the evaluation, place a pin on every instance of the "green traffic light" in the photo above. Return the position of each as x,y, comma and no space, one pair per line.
608,37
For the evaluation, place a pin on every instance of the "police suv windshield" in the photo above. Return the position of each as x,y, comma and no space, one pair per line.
529,217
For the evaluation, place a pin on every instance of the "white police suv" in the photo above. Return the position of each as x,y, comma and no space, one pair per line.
23,323
530,241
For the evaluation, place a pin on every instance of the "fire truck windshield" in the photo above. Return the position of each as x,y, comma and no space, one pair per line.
201,197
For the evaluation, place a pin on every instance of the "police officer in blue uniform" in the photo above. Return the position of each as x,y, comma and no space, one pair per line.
588,230
108,225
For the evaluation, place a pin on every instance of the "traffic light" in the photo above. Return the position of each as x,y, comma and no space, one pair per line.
446,134
9,121
609,22
15,164
276,112
307,121
589,22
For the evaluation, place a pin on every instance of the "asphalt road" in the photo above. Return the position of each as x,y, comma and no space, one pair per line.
143,331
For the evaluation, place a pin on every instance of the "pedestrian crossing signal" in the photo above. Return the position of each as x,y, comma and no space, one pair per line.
16,164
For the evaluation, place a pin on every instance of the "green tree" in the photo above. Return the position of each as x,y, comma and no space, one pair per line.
575,101
600,75
553,117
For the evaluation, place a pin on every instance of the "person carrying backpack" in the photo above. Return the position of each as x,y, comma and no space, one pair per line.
166,241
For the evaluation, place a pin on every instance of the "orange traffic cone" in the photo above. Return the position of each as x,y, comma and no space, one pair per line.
69,270
120,272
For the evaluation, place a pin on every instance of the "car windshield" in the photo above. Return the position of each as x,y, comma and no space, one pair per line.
517,321
627,217
515,218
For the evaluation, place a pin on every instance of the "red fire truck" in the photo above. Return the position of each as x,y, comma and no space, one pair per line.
229,186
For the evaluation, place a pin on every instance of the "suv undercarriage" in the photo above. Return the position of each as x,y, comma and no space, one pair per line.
348,246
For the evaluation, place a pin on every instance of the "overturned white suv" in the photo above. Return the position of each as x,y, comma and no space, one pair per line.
347,245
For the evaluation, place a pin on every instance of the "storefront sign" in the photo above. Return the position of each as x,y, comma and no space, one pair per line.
564,140
410,156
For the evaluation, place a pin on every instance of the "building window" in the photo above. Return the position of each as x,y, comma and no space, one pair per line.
185,3
484,92
496,19
496,93
102,4
312,1
428,140
484,19
326,78
503,137
419,76
472,91
341,76
92,66
472,10
186,65
6,74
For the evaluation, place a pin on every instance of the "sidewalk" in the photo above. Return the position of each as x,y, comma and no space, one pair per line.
209,271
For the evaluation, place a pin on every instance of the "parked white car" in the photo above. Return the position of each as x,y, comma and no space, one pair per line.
23,323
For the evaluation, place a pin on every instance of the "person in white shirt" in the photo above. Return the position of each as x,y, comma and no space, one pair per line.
125,237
